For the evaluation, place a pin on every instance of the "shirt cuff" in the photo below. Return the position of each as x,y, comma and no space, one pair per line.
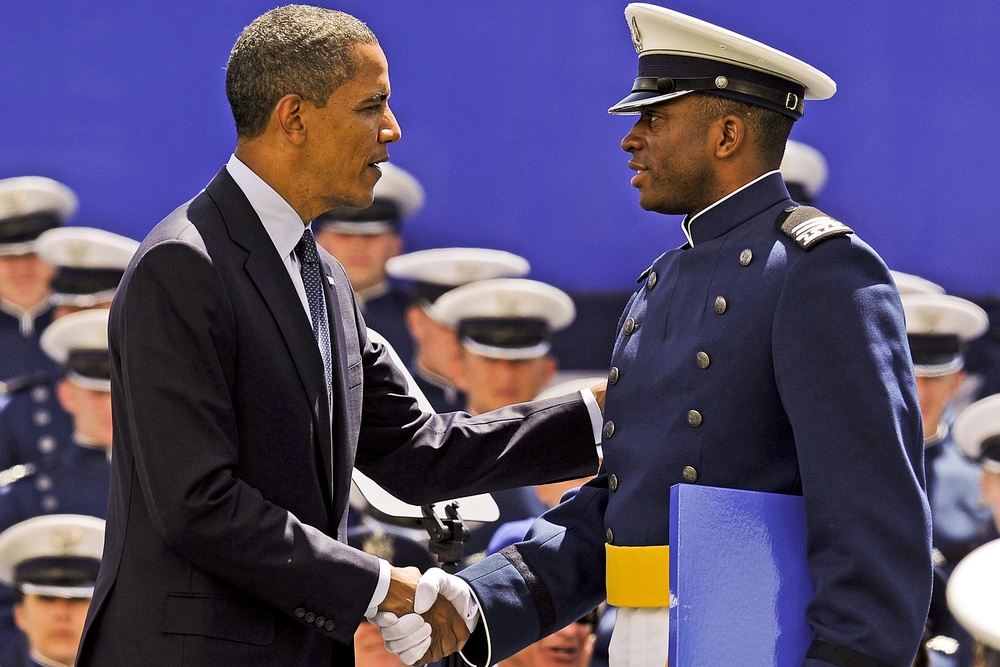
596,417
381,589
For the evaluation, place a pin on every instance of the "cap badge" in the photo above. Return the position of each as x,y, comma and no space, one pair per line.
508,304
929,321
12,203
636,39
77,252
65,540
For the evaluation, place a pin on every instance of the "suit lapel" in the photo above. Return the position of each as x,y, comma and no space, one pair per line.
268,274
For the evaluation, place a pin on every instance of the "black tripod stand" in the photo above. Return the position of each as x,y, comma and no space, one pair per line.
447,537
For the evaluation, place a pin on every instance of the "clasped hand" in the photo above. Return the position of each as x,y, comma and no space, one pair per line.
424,619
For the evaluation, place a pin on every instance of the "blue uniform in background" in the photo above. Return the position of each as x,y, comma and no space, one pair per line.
33,425
19,350
747,361
386,314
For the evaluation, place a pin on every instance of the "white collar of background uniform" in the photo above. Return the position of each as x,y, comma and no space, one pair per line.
686,224
280,220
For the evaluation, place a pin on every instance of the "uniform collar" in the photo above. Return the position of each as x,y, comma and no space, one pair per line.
735,208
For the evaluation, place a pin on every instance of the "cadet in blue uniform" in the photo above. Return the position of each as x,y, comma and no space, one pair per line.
89,264
29,205
52,562
363,240
974,586
431,273
78,481
768,353
938,327
504,328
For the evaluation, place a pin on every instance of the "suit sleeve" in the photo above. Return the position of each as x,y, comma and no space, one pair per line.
424,457
845,377
175,338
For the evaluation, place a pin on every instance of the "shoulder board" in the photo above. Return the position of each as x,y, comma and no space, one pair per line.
644,275
807,226
22,382
17,473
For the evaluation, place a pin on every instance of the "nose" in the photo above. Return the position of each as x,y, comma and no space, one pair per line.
631,142
390,130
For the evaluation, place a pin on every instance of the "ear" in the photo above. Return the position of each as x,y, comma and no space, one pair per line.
730,133
288,117
396,247
66,392
549,370
414,322
19,619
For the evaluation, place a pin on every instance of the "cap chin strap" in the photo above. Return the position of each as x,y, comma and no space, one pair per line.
939,370
506,353
664,85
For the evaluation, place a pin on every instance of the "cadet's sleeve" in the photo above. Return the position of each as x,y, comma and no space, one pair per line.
556,575
846,380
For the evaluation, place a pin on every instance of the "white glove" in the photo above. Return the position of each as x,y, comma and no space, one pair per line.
408,636
436,582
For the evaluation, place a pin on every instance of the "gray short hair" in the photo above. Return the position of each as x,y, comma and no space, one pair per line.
295,49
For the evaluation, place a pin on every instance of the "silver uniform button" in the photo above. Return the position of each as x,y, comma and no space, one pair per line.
613,375
50,503
610,534
630,326
694,418
613,482
43,483
609,429
703,360
41,417
46,444
651,280
689,474
746,257
720,304
40,394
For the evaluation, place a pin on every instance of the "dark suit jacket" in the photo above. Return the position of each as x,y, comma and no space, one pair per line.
230,476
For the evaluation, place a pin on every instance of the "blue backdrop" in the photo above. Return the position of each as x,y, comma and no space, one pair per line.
503,109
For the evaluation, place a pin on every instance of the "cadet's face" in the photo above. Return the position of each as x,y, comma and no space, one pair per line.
24,279
497,383
569,647
363,256
934,394
91,412
437,348
349,135
670,154
53,626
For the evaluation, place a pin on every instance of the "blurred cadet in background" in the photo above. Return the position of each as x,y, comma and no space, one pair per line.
363,240
52,563
29,205
435,363
804,170
89,264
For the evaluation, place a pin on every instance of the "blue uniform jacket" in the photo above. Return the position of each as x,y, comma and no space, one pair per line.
33,424
748,362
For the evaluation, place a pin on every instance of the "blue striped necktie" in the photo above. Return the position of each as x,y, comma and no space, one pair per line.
312,278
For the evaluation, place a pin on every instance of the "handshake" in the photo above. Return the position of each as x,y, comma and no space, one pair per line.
426,617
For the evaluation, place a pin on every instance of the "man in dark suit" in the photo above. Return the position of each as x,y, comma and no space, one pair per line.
245,389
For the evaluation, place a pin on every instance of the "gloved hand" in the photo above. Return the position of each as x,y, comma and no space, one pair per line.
408,636
436,582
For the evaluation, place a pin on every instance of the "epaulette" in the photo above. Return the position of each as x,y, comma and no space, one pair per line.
22,382
807,226
16,473
644,275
